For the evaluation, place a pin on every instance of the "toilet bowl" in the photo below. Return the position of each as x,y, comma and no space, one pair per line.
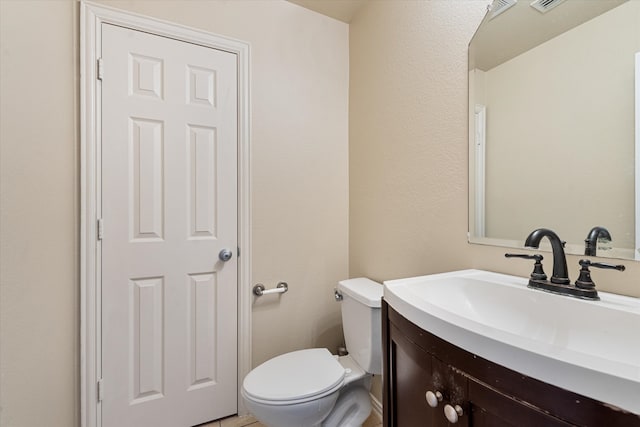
312,387
303,388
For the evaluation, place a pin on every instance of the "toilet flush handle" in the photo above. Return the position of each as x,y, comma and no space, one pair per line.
337,294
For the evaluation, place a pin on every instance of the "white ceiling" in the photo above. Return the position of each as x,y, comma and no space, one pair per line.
342,10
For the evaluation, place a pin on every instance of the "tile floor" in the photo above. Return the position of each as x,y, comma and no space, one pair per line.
372,421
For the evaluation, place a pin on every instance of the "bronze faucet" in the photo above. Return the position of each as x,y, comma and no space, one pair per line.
560,275
559,283
591,242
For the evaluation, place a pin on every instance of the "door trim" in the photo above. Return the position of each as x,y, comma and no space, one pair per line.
91,18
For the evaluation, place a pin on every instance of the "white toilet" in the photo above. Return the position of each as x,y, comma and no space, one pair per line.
308,388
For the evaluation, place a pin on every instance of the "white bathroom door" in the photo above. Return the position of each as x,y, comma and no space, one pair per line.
169,207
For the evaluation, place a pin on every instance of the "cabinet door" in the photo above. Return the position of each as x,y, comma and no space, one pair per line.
452,384
410,379
413,373
490,408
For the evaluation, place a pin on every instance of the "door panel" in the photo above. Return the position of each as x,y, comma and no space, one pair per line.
169,206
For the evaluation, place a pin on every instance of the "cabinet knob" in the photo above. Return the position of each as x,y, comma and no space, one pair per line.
452,413
433,398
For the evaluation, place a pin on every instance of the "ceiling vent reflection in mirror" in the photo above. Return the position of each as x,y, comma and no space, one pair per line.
544,6
499,6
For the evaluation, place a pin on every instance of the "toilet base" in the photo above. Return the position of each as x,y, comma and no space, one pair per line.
349,407
307,414
351,410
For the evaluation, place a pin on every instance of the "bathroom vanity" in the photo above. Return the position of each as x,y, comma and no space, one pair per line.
429,381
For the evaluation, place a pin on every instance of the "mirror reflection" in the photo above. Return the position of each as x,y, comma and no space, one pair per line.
552,118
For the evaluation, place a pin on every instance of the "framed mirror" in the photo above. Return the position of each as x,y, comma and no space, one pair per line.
554,123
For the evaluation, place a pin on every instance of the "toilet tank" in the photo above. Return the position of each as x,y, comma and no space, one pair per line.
362,323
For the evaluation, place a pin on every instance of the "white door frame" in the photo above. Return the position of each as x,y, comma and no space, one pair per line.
91,18
636,251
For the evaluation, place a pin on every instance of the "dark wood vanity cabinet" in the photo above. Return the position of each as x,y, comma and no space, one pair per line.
486,394
415,373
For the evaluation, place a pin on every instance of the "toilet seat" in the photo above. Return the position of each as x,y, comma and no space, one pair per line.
295,377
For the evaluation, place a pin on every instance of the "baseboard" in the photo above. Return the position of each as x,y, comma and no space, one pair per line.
376,407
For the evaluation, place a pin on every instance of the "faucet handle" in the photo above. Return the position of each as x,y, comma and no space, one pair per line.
537,273
585,281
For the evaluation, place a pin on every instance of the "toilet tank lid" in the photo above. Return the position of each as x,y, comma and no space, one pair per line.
363,290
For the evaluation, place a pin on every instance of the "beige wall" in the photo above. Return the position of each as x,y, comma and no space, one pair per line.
408,178
408,147
408,135
299,90
39,293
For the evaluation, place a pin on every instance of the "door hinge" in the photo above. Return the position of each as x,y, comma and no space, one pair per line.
100,390
100,69
238,252
100,228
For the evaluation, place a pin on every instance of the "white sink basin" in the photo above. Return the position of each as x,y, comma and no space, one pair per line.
588,347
